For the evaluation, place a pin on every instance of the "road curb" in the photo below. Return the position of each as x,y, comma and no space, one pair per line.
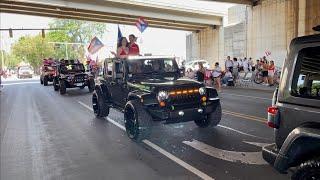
251,88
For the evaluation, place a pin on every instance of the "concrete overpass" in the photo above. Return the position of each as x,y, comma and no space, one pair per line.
116,11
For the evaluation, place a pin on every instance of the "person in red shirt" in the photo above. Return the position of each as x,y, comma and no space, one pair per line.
133,47
123,50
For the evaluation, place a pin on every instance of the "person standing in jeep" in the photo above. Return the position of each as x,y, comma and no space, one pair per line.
133,47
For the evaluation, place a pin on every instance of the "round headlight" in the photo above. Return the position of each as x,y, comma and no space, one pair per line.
202,91
162,95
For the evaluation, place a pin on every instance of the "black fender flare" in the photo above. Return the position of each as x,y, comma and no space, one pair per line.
302,143
134,95
144,97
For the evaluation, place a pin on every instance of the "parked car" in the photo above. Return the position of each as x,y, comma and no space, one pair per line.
295,112
25,72
71,74
149,90
194,65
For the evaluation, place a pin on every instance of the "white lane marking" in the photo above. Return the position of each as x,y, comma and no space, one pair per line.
116,123
86,106
162,151
10,84
240,132
254,97
256,143
231,156
177,160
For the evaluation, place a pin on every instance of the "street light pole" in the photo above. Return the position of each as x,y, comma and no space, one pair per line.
66,51
66,46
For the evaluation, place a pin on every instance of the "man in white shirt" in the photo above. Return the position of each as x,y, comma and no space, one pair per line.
227,77
245,64
229,64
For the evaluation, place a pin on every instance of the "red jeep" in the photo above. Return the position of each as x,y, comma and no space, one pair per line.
48,69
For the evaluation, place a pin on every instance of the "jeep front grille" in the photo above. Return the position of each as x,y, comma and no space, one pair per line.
184,96
78,78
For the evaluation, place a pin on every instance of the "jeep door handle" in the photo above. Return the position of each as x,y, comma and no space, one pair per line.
112,83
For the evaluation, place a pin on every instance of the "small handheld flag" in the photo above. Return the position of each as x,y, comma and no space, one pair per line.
95,45
267,53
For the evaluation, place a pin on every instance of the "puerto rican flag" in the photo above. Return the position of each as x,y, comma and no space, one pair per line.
95,45
141,24
267,53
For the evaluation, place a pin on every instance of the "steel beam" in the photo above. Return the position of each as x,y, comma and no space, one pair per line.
109,11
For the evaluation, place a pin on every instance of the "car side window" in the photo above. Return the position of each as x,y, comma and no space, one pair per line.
306,80
118,71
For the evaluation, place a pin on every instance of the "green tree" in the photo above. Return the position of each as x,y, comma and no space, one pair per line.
32,49
10,60
74,31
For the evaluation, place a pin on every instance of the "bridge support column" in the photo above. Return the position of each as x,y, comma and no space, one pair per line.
272,24
207,44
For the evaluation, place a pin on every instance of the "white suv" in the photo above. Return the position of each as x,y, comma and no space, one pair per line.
25,71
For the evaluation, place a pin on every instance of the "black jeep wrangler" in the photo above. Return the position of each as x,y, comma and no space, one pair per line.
150,90
71,74
295,112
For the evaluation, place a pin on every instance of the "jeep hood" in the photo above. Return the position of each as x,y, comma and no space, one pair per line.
155,84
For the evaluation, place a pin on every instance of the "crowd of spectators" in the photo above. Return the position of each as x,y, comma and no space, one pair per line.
232,67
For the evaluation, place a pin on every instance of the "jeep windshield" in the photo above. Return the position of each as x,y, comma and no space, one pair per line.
152,66
72,68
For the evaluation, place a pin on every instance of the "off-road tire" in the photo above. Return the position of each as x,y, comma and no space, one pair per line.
137,120
212,119
99,105
91,85
307,170
62,88
55,85
45,81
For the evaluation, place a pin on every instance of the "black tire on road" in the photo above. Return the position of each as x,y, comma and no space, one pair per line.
212,119
99,105
55,85
82,87
308,170
138,122
91,85
41,82
63,88
45,81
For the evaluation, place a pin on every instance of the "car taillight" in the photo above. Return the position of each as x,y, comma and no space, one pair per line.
273,119
272,110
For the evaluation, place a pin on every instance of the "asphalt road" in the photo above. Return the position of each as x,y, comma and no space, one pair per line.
48,136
